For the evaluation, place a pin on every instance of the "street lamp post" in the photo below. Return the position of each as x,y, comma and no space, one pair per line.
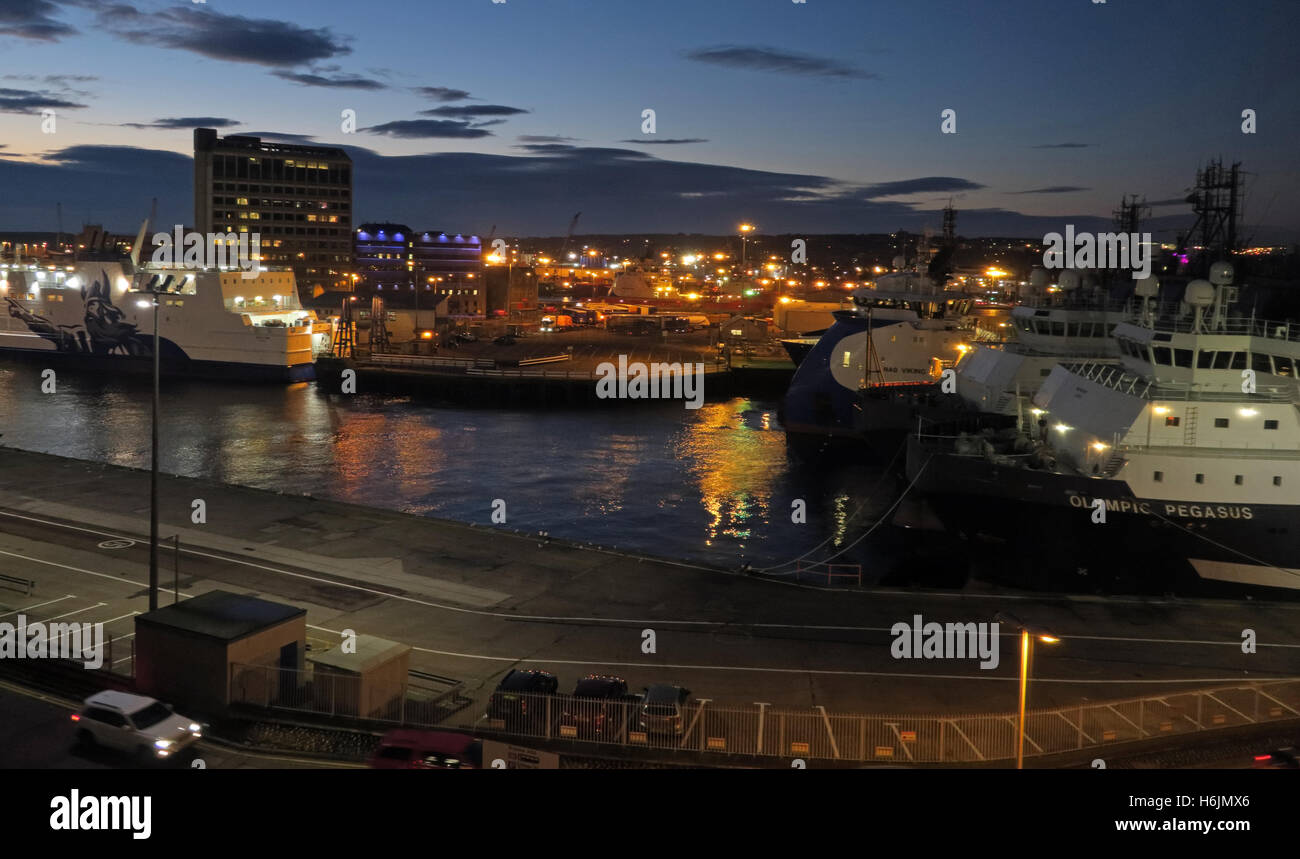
153,469
1027,634
745,230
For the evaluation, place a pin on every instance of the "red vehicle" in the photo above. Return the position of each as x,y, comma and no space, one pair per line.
413,749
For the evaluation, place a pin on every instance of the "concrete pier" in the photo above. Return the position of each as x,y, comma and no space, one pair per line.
475,600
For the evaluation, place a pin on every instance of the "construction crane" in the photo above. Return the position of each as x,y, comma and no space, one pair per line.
568,238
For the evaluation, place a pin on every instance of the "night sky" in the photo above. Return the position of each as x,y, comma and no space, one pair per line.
800,117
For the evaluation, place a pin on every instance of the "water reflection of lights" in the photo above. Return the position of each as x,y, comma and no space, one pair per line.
841,517
735,466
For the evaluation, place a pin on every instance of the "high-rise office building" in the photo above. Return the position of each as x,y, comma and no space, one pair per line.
299,198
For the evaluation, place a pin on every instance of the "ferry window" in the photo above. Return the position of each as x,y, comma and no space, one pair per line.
1159,476
1239,480
1071,329
1204,359
1058,328
1221,360
1270,424
847,354
1163,355
1200,478
1260,363
1238,360
1282,366
1045,372
1277,480
1172,421
1221,423
1182,357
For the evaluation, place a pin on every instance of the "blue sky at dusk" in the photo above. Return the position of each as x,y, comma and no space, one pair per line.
818,117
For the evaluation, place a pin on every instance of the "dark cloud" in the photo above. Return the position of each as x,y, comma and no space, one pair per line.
276,135
925,184
55,80
186,122
467,111
428,128
32,19
534,193
1064,145
234,38
330,81
666,140
32,101
545,138
442,93
772,60
545,147
1052,189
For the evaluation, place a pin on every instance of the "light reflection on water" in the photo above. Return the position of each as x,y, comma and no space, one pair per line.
713,484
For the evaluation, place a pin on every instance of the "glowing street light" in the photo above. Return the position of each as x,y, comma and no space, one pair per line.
1028,632
745,230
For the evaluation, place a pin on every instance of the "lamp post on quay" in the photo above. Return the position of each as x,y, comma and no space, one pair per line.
1028,633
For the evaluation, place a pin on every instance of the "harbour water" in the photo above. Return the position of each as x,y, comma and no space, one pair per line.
713,485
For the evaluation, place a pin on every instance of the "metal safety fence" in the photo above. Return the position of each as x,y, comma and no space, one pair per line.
702,726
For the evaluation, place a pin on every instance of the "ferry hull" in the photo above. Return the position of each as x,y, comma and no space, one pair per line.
1036,530
173,364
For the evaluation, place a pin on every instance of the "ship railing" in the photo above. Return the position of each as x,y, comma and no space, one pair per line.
1269,329
1192,451
1113,376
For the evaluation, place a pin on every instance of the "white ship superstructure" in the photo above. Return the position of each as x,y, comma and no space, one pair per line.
245,326
1075,323
1185,452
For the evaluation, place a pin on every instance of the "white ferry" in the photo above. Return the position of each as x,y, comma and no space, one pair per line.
213,323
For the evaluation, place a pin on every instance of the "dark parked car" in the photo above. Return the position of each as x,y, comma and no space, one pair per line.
598,707
518,701
411,749
663,709
1285,758
505,340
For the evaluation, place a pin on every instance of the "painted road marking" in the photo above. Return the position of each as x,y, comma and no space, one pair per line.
628,621
39,604
820,671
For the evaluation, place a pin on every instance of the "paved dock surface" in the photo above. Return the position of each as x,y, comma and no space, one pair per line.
475,601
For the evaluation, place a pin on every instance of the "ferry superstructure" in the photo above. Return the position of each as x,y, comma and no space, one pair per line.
1181,462
213,323
893,345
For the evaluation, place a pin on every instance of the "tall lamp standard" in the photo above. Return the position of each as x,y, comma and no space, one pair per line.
153,456
1028,633
745,230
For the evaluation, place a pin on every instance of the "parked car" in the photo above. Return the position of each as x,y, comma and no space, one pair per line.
663,708
518,702
466,337
1285,758
413,749
595,708
506,340
145,727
